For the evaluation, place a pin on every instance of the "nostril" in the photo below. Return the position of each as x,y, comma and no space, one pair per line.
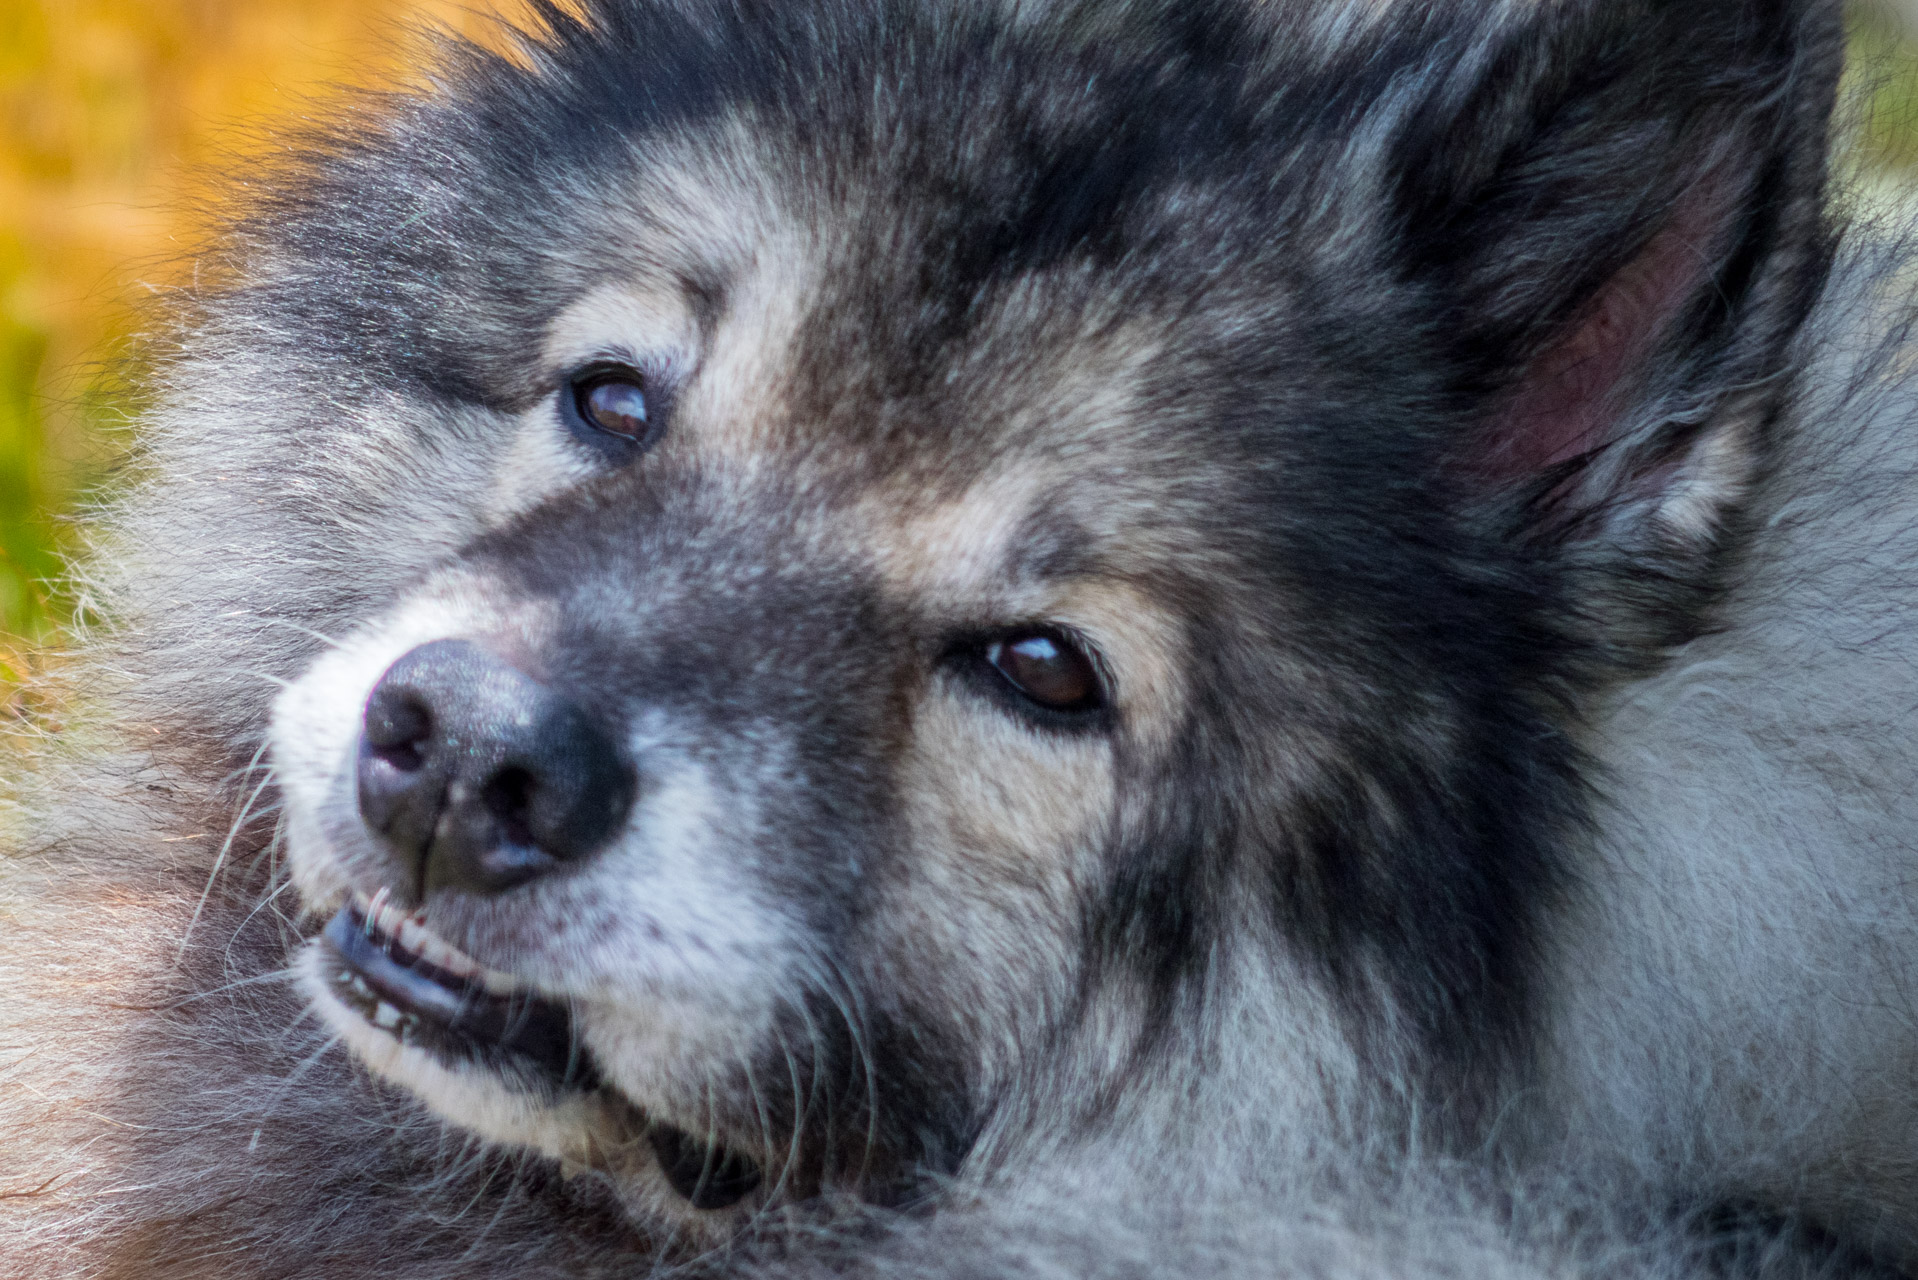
480,778
508,796
405,756
396,731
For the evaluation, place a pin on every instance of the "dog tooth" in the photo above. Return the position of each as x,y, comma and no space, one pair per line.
447,956
386,1017
386,918
454,959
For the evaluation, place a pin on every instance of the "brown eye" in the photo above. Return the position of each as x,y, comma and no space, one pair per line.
1048,669
613,402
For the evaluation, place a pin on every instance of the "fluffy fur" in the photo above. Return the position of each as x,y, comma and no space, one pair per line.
1489,513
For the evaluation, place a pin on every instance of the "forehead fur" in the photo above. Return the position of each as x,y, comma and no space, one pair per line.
956,153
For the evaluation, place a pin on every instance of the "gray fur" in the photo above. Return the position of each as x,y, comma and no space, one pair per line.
1496,859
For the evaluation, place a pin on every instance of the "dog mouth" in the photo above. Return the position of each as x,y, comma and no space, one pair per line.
401,978
424,992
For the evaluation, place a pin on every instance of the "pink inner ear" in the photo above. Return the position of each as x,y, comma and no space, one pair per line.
1569,399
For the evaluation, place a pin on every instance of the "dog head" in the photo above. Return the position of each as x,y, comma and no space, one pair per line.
911,576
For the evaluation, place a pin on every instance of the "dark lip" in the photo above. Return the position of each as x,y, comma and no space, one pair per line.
453,1016
458,1019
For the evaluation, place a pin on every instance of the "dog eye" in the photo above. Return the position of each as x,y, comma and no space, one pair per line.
1048,669
614,401
612,407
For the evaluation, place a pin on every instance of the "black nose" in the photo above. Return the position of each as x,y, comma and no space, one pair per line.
481,778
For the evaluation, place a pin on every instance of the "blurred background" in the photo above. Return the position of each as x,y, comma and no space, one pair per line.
119,121
114,113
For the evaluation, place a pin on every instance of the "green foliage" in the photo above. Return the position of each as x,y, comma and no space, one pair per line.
28,536
1884,68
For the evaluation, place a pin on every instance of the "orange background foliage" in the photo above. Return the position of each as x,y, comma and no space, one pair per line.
118,119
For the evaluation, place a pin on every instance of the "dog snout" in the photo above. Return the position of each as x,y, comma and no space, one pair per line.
480,778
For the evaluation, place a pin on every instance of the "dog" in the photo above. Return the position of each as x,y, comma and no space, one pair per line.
849,636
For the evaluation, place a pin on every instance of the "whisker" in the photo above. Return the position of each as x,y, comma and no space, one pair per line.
286,1087
286,973
301,627
799,1104
265,902
852,1013
219,860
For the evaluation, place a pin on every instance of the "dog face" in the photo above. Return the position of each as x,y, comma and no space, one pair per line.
895,609
881,676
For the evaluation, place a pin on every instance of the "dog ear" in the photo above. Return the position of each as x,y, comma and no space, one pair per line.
1617,207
